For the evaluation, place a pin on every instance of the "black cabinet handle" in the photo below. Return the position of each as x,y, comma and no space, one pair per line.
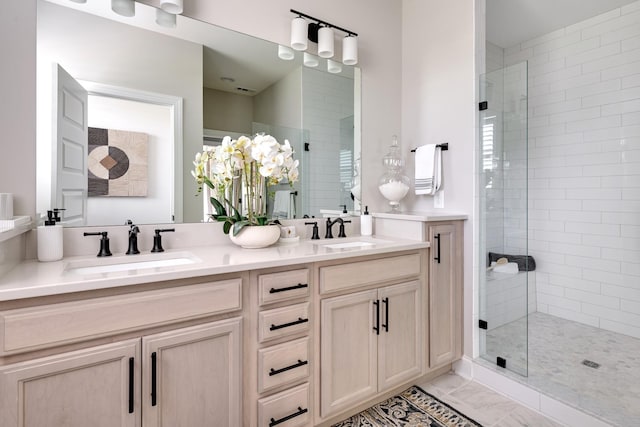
154,378
385,325
300,411
273,372
131,373
286,325
437,238
376,328
288,288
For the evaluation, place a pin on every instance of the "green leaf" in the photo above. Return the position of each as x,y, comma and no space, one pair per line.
208,182
219,207
227,226
238,226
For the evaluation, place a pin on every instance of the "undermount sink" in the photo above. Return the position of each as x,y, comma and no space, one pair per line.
129,263
353,244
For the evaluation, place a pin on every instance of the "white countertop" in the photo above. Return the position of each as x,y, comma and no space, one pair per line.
33,279
425,216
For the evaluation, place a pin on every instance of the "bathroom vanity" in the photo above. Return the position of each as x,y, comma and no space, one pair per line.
291,335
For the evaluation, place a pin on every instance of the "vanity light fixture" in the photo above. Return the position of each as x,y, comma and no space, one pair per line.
333,67
310,60
322,32
325,42
165,19
285,52
350,50
126,8
299,31
172,6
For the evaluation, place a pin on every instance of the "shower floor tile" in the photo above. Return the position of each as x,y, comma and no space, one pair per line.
557,349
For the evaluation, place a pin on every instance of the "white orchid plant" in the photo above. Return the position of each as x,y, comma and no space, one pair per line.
246,166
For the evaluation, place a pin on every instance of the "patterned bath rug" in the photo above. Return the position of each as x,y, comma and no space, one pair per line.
412,407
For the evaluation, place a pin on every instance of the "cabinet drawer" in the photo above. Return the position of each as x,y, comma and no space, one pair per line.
274,287
290,407
54,324
362,273
282,364
281,322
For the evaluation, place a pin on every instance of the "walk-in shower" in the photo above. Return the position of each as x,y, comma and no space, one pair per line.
559,184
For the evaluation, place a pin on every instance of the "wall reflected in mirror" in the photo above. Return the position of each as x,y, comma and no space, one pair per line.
182,87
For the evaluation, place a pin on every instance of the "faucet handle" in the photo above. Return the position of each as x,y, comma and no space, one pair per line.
315,235
104,242
341,233
157,239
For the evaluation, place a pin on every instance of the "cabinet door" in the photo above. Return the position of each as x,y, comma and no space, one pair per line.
96,387
400,342
445,294
191,376
348,371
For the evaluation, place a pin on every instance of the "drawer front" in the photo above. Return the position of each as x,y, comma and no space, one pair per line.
54,324
274,287
362,273
285,321
289,408
283,364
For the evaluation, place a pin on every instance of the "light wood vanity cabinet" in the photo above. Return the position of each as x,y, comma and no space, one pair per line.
279,360
445,292
371,340
182,376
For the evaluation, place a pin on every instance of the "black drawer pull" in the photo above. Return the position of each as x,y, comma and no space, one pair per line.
437,237
275,422
385,301
154,379
376,328
288,288
286,325
288,368
131,391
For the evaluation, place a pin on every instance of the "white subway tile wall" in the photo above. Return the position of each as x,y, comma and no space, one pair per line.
328,108
584,168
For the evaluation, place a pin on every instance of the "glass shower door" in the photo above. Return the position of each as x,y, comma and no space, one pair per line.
504,296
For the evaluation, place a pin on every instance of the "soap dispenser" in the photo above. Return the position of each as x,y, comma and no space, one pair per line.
50,239
366,223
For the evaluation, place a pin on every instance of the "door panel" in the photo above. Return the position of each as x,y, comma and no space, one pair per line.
197,376
348,353
78,389
70,154
399,343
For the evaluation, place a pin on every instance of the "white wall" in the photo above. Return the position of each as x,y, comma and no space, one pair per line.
584,168
227,111
281,103
438,105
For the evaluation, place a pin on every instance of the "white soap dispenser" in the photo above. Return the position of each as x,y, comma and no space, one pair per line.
50,239
366,223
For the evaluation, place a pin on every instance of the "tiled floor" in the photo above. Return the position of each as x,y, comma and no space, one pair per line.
484,405
556,349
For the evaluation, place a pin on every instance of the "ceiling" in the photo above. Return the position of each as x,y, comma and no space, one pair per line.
510,22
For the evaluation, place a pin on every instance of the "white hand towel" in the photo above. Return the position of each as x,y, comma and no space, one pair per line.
282,204
428,169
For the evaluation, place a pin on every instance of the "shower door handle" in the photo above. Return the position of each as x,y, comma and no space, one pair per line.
437,239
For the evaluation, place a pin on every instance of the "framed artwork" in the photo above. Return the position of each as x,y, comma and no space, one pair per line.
117,163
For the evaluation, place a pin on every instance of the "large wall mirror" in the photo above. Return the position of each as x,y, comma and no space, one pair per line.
125,103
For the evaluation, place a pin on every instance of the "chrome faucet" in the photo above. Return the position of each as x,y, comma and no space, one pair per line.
341,233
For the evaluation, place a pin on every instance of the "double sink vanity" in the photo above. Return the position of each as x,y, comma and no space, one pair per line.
291,335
